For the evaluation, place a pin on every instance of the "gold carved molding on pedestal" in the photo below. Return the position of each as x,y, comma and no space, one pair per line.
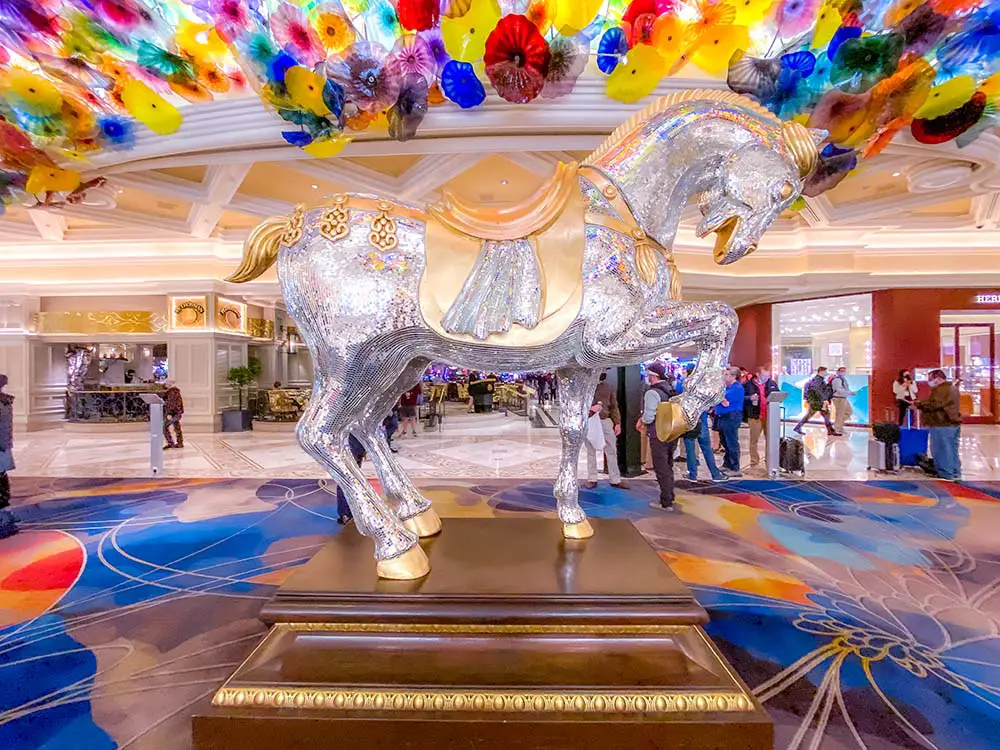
650,702
483,628
100,322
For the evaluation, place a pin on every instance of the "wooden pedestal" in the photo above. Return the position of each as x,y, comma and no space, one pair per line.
517,639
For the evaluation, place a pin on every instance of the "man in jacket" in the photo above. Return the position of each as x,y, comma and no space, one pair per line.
818,394
173,410
943,420
730,415
606,405
842,408
660,390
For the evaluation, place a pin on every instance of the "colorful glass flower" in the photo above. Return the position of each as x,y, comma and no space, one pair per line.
418,15
149,108
637,76
214,79
843,116
672,38
191,91
574,16
200,41
436,46
327,147
47,179
412,55
947,97
517,59
951,125
638,8
750,12
410,108
611,49
796,16
30,93
542,13
861,63
976,48
365,77
465,36
716,47
569,55
231,17
293,32
833,166
755,76
116,133
305,89
380,23
460,84
921,29
334,29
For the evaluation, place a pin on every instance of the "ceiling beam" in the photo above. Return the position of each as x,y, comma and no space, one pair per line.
254,206
817,212
446,168
124,218
50,225
163,184
222,183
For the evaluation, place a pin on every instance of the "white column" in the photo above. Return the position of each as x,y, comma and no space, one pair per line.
198,365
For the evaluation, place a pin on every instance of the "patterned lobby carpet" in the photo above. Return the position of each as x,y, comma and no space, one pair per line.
864,615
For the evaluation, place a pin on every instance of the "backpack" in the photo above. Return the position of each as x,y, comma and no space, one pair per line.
664,411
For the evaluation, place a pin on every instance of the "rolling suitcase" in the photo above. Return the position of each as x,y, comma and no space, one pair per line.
791,455
883,456
913,442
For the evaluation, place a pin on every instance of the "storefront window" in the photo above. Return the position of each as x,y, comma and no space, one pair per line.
968,357
832,332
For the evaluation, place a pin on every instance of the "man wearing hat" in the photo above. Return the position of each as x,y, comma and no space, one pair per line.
660,390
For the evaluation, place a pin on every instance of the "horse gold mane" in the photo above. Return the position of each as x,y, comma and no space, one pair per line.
796,137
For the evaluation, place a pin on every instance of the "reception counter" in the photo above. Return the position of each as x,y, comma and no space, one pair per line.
118,405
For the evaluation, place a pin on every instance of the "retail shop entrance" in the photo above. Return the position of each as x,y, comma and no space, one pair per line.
968,356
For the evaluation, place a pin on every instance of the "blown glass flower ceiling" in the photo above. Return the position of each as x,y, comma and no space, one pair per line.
78,76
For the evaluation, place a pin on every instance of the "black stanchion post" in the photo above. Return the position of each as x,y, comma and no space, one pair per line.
630,388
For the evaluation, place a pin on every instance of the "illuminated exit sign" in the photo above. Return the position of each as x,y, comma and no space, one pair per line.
988,299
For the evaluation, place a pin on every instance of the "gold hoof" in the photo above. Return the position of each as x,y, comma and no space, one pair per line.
409,566
424,524
582,530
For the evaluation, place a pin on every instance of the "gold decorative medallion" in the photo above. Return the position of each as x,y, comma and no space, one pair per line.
333,222
296,223
383,234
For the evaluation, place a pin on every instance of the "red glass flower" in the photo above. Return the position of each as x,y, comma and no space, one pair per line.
517,59
418,15
639,8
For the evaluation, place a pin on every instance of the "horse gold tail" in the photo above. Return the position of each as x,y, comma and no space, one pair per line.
260,250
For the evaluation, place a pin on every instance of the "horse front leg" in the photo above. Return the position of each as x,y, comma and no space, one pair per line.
704,387
576,392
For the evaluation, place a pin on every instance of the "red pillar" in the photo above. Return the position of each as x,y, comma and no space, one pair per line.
752,346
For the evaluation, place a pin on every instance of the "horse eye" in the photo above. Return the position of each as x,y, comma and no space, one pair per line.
786,191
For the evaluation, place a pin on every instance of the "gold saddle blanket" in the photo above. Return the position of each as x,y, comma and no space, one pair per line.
551,220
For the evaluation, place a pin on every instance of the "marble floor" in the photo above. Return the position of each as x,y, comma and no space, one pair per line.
468,445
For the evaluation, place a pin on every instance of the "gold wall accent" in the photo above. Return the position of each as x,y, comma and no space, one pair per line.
99,322
645,702
260,328
383,234
230,315
484,628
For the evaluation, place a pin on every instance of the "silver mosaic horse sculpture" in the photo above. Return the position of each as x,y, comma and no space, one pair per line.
577,279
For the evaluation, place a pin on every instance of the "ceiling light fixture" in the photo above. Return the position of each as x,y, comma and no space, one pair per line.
896,174
315,187
503,182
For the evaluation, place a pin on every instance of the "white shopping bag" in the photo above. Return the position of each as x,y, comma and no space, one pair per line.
595,432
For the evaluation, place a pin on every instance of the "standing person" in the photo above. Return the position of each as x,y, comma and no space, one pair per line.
818,395
905,391
344,515
698,438
408,409
730,414
662,453
943,419
753,413
8,527
842,409
390,424
173,410
766,381
606,405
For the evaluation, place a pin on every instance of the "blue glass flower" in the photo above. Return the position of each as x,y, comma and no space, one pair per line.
297,138
460,85
117,133
610,50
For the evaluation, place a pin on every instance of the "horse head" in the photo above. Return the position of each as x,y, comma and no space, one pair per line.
753,185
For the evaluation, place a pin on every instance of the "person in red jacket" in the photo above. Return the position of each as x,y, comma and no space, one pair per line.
408,409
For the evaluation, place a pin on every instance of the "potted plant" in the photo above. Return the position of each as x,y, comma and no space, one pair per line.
238,420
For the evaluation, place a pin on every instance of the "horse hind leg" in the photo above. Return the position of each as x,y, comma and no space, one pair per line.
322,433
415,510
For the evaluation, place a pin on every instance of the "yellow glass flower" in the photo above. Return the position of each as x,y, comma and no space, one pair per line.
200,40
305,89
335,31
31,92
542,13
637,75
573,16
465,37
329,147
716,46
52,180
947,96
827,22
991,86
671,37
749,12
149,108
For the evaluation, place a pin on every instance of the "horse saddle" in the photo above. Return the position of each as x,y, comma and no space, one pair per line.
508,276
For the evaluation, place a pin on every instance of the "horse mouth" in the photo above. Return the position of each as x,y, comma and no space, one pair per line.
724,237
